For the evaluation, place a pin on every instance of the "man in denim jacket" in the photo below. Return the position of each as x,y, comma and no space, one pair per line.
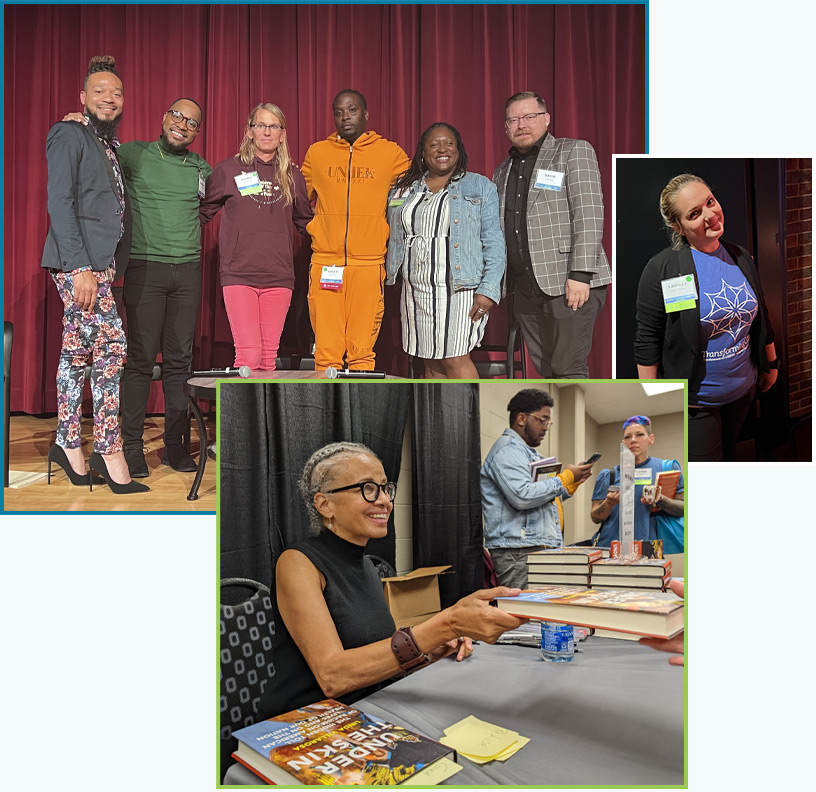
521,515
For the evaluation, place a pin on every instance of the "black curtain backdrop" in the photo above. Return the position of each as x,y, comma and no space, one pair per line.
447,501
267,432
416,64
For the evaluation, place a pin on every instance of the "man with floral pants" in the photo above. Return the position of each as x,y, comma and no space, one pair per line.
87,247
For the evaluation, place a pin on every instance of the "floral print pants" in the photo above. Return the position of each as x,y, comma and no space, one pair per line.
96,336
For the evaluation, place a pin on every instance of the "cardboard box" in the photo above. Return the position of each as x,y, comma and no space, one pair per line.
414,597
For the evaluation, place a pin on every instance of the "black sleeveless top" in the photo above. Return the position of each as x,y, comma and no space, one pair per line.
354,596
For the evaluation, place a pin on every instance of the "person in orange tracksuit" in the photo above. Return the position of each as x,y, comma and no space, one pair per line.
350,173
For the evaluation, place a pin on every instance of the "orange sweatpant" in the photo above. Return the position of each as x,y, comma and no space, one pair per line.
347,322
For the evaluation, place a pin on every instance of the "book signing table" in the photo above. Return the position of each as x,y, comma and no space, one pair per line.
612,716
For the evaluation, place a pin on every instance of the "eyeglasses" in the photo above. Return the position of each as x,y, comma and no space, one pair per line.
370,490
270,127
528,119
192,124
542,421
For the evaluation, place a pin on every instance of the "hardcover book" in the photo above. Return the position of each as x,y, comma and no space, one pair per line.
637,567
541,578
623,581
329,743
657,614
668,481
565,555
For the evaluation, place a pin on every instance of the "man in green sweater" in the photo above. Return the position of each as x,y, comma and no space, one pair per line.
162,289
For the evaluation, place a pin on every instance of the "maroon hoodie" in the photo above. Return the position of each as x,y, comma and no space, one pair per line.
255,243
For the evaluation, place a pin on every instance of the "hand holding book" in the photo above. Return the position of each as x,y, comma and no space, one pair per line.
473,615
677,644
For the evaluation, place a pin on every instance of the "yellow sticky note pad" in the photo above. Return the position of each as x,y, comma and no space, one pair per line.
506,754
434,774
479,740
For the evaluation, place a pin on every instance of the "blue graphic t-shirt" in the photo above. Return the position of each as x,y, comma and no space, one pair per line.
728,306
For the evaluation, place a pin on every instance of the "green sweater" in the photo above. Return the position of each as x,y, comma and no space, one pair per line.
163,189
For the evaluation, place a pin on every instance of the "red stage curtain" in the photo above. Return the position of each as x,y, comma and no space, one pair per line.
415,65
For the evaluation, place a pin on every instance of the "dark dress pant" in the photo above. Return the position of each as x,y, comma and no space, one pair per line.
162,301
559,339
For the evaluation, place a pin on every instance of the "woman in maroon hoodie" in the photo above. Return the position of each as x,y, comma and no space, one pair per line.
262,193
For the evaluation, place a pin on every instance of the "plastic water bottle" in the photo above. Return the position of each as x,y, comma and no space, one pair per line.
557,642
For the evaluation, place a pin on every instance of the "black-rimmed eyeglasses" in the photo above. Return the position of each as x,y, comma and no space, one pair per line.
370,490
192,124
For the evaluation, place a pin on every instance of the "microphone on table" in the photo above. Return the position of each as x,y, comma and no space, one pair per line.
242,371
334,373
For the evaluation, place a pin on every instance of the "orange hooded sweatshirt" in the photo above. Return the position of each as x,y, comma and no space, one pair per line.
351,182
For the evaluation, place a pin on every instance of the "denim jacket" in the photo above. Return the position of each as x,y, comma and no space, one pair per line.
518,512
476,251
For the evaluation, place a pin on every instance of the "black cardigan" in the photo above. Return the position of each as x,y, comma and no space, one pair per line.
672,340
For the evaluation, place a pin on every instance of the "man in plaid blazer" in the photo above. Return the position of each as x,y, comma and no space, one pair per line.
551,208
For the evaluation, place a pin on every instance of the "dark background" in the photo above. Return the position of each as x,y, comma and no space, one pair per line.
752,195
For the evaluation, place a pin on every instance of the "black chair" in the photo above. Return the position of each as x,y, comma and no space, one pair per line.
506,366
487,368
8,340
156,377
384,569
246,642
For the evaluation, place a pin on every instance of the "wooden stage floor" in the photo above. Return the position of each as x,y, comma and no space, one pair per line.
31,437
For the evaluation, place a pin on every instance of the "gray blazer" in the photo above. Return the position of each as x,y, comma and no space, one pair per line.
83,203
564,227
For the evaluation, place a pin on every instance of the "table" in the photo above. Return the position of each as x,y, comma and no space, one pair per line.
612,716
205,388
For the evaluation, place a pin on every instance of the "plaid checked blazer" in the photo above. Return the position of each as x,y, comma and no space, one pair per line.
564,227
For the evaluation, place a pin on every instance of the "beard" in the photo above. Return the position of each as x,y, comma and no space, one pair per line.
104,129
171,146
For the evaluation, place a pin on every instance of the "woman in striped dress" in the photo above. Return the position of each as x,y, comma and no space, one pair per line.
446,239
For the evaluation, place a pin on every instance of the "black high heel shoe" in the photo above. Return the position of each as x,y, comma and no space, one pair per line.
57,454
97,463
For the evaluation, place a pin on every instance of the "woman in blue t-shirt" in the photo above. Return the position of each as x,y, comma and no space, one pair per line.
638,438
701,316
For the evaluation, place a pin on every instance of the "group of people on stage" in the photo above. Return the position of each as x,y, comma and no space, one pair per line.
136,209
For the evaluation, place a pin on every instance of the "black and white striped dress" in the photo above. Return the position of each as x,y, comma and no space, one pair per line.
435,318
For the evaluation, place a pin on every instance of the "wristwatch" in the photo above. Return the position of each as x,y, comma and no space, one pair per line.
405,649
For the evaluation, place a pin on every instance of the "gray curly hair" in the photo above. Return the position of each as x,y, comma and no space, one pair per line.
318,475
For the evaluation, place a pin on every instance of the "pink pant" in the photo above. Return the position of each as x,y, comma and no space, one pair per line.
256,318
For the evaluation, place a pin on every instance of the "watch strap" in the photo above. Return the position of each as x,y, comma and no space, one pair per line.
405,649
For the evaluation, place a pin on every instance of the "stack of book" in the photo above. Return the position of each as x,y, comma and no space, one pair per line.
563,566
331,744
546,467
639,573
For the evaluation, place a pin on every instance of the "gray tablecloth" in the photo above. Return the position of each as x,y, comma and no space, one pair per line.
612,716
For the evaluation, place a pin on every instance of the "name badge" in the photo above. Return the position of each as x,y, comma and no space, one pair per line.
332,278
248,183
679,294
643,476
201,182
549,180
